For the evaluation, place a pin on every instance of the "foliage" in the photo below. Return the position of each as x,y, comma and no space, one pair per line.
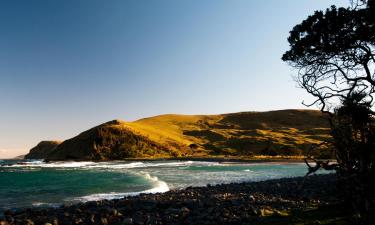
353,132
334,52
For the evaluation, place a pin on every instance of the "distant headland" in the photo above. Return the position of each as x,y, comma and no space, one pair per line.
242,135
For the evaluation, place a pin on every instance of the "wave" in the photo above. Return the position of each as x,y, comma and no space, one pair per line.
108,165
158,187
67,164
121,165
117,165
44,204
38,163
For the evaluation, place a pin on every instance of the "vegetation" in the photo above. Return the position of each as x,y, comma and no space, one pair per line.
106,142
334,54
286,133
42,149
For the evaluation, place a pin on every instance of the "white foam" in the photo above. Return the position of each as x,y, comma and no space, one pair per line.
122,165
43,204
101,196
38,203
171,164
159,187
25,164
117,165
69,164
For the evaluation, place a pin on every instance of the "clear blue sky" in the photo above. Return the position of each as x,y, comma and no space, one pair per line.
68,65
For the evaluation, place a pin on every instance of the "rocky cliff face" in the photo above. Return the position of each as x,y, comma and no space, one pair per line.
42,150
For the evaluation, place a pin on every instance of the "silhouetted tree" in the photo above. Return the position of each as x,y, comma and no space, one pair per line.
334,52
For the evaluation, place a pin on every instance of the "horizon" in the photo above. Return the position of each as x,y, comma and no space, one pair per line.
68,66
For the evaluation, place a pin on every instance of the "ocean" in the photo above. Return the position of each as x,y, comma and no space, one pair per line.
36,183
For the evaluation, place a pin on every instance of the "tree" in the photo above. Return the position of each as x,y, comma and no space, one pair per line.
334,53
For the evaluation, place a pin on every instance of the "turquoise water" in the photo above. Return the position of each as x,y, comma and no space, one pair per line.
35,183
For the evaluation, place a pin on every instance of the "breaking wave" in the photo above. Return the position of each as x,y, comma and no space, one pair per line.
158,187
107,165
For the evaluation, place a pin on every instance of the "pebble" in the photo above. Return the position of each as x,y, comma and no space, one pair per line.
219,204
127,221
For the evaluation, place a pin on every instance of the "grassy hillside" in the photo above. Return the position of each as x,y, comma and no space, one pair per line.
108,141
42,149
286,132
245,134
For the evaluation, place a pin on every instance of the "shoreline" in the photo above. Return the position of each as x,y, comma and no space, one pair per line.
207,159
222,159
234,203
219,159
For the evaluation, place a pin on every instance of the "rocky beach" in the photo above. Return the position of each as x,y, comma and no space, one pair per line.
236,203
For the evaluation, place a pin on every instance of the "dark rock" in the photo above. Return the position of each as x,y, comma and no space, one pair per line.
104,221
138,219
127,221
92,218
184,211
55,222
220,204
29,222
8,213
114,212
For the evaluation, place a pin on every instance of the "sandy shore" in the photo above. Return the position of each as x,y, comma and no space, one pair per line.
221,204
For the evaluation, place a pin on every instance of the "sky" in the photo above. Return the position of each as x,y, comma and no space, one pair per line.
66,66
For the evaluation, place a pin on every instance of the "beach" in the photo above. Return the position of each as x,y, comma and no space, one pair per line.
236,203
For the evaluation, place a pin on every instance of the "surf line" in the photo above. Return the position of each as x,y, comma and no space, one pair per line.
158,187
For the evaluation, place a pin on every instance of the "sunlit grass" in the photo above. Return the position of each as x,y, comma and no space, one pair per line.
236,133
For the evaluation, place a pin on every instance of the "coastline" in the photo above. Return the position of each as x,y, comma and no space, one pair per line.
224,159
219,159
236,203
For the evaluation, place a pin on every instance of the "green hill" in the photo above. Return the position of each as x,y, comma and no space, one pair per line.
108,141
245,134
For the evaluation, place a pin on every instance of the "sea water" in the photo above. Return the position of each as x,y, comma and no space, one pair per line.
36,183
